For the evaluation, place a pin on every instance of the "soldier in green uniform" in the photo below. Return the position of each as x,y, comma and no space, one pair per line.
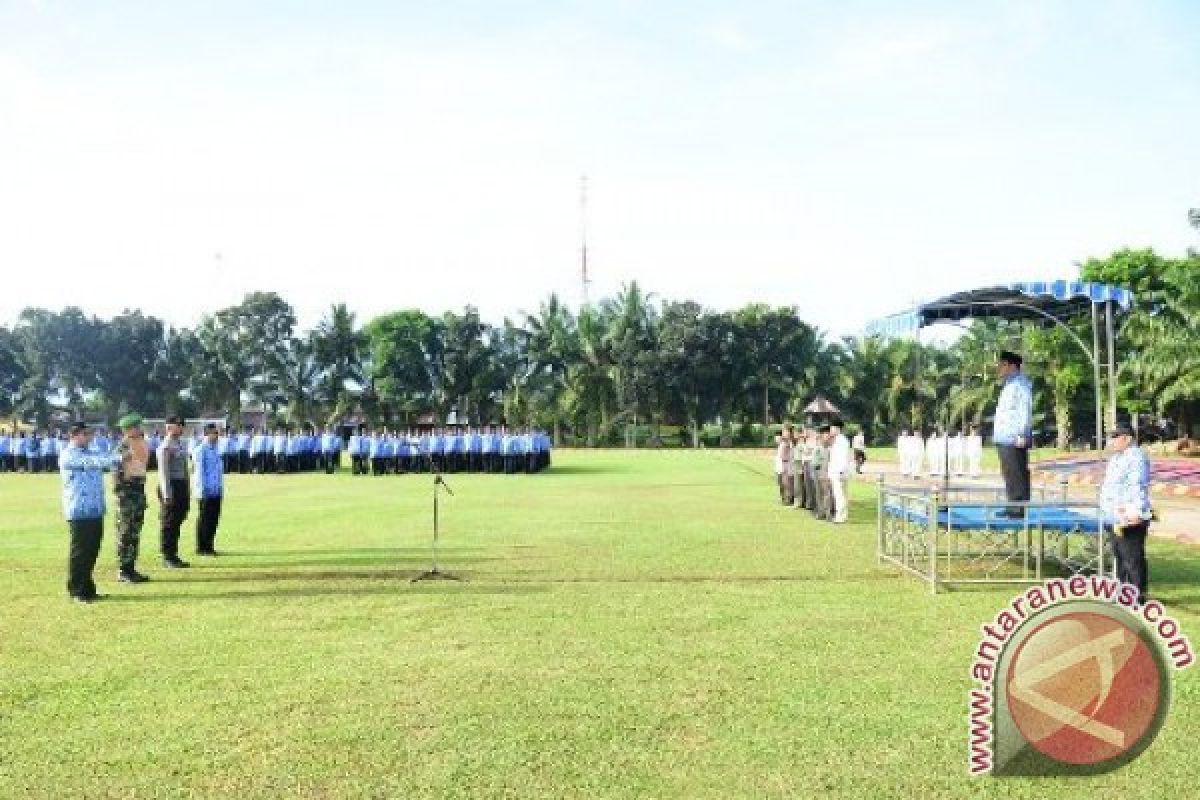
129,485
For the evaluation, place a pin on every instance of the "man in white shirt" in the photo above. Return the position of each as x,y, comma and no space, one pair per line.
974,452
958,454
917,452
859,445
935,453
839,469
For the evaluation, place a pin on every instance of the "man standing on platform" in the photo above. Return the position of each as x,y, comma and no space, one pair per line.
1013,432
173,492
129,486
1125,502
208,483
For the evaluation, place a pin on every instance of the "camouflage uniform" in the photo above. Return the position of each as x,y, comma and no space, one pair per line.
131,509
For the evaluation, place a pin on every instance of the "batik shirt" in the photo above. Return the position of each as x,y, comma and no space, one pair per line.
83,482
1014,411
1126,485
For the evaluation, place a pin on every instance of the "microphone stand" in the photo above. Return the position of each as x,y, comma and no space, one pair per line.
433,573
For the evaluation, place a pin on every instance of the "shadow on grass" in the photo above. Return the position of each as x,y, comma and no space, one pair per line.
344,551
585,469
400,584
405,569
414,556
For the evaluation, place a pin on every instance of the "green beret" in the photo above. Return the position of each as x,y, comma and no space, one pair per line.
129,421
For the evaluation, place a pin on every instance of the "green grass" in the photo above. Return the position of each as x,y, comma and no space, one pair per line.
641,624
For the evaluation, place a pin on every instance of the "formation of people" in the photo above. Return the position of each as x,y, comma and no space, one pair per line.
482,450
31,452
490,449
187,469
942,454
194,468
812,467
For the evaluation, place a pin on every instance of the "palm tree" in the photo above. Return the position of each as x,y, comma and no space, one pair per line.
592,392
1164,344
630,334
339,349
298,380
553,346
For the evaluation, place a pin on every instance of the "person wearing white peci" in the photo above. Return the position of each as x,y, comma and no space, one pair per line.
839,469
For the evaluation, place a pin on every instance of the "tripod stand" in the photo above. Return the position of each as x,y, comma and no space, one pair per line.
433,573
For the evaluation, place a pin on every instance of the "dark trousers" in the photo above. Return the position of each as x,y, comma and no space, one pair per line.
1014,467
784,479
860,458
171,515
810,487
1130,549
209,515
81,560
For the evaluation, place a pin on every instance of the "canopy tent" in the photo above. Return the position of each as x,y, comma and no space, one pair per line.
1041,302
820,405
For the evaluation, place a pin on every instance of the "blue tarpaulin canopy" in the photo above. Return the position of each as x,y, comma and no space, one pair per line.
1039,302
1045,302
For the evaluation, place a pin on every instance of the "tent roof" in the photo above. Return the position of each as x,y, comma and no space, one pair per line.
820,405
1037,301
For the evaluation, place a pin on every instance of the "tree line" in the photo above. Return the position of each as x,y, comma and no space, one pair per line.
620,371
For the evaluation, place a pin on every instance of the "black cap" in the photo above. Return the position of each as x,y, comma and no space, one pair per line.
1009,357
1122,428
174,420
210,427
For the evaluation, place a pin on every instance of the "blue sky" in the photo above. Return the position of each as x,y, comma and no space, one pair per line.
845,158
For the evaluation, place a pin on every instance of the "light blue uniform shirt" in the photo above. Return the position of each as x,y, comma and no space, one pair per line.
1014,411
208,476
83,482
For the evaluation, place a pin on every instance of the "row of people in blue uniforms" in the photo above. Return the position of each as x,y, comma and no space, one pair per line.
485,450
33,452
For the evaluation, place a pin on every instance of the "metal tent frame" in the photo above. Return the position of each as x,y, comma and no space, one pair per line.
1047,303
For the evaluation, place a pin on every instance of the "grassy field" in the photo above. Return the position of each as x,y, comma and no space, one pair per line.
633,625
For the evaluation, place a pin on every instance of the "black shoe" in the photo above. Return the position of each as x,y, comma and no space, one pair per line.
209,553
131,576
83,598
175,562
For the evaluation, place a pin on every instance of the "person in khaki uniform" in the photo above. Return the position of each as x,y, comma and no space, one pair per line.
823,492
129,486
